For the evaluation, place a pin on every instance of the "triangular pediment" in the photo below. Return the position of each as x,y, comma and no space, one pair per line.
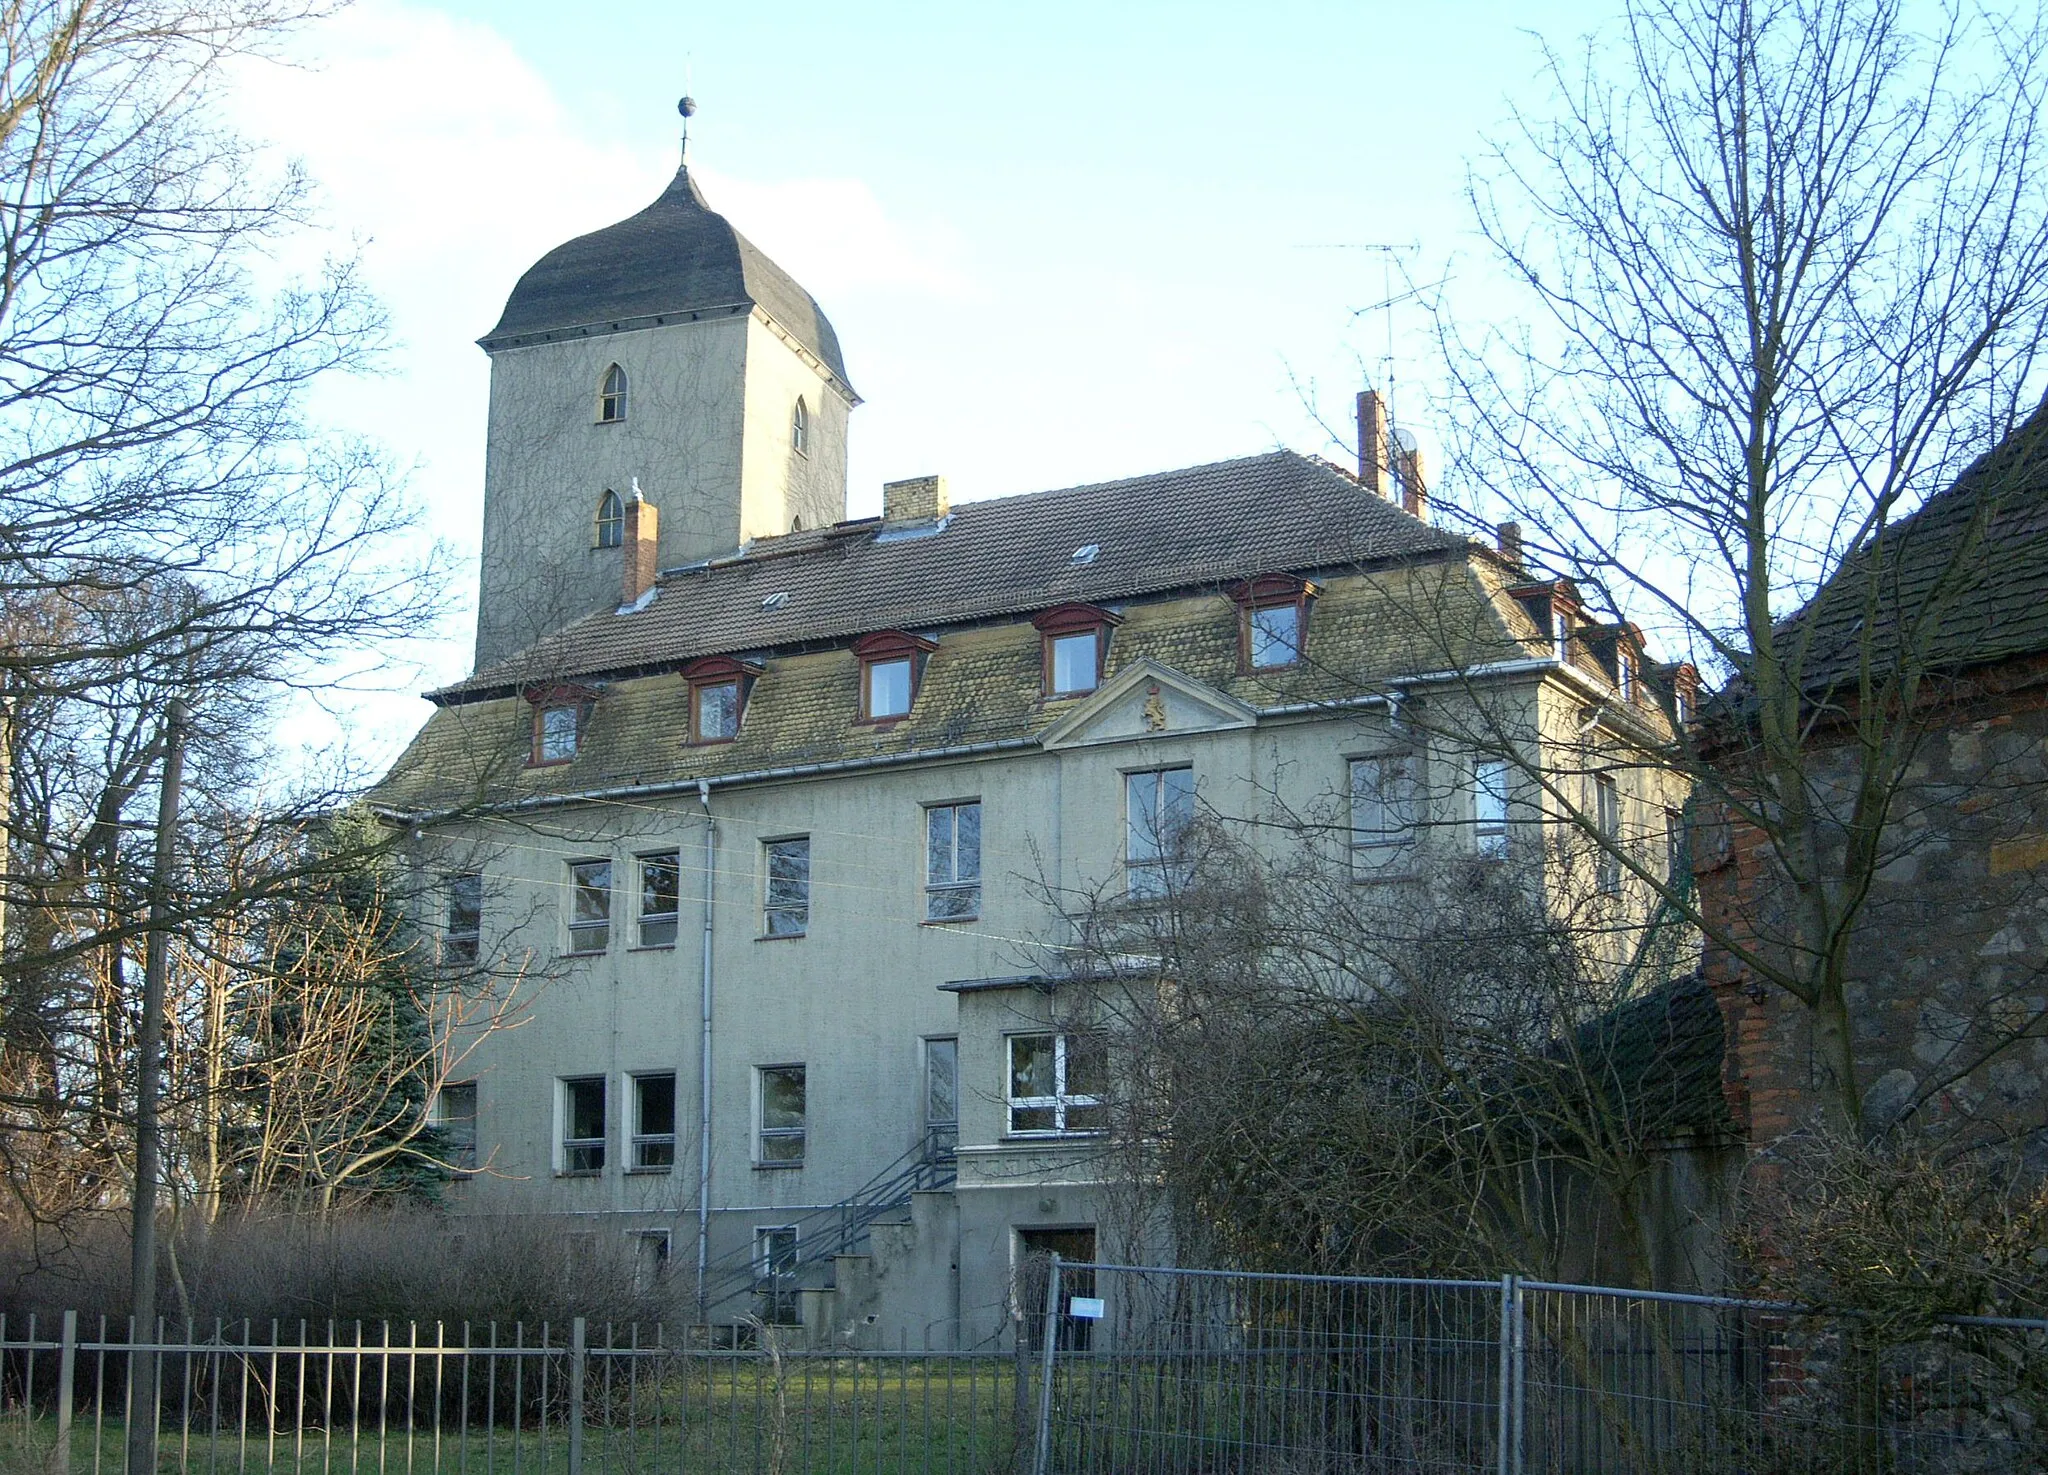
1147,700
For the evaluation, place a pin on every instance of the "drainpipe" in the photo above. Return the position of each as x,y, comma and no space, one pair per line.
704,1066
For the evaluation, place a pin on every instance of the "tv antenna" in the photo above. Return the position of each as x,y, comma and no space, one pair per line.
1389,298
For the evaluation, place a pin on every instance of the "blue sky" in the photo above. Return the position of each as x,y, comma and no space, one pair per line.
1061,243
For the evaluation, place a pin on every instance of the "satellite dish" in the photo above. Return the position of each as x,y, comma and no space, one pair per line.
1405,439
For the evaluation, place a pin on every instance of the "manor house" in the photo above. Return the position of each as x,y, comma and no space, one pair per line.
785,819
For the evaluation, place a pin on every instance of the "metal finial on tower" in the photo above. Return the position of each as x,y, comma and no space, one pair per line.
688,108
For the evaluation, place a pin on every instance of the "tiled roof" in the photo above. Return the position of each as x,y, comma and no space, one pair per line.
1187,529
675,259
1971,567
983,686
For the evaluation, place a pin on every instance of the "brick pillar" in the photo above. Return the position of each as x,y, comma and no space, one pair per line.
1375,445
920,499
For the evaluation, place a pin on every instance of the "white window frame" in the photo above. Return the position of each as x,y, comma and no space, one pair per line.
1490,790
1625,673
1385,844
611,401
945,887
800,428
1151,866
611,521
565,1111
790,916
662,933
641,1140
1062,1101
591,934
765,1134
776,1283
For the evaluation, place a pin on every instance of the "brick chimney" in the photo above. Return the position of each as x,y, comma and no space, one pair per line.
1508,538
1414,477
640,561
1375,445
920,499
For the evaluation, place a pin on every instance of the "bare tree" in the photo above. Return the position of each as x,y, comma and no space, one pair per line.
1439,1070
1786,277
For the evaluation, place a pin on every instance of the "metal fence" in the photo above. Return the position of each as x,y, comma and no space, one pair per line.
1130,1369
1172,1371
516,1398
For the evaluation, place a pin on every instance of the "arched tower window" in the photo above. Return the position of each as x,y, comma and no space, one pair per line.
611,521
800,428
611,396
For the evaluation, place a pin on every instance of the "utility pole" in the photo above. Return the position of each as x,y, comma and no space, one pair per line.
149,1040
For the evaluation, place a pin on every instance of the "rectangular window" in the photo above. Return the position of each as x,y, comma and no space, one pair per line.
654,1122
455,1120
941,1096
715,712
1074,663
1273,638
1677,857
590,905
555,731
782,1116
660,885
786,910
1386,803
1057,1083
775,1272
1490,809
583,1117
1625,674
952,862
887,689
1560,634
461,940
1607,820
1159,805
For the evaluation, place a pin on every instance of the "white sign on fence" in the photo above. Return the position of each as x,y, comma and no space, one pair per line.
1086,1308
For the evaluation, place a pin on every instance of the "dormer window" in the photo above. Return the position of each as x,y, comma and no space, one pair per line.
611,521
611,396
1274,622
891,666
1075,647
559,715
1625,673
718,694
800,428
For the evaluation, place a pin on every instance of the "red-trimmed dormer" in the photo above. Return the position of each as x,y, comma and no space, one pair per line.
891,669
1074,647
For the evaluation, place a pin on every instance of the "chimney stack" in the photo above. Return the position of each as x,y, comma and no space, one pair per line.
1508,537
1375,445
1413,476
640,548
920,499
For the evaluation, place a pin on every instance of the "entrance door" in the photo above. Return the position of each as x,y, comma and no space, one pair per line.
1039,1246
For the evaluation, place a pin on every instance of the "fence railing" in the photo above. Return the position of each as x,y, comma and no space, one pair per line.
1188,1370
576,1399
1123,1369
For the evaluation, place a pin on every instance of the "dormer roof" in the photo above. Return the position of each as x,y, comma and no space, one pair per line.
676,261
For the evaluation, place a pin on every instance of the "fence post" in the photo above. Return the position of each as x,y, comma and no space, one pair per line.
1052,1331
1519,1299
67,1368
1504,1435
577,1331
